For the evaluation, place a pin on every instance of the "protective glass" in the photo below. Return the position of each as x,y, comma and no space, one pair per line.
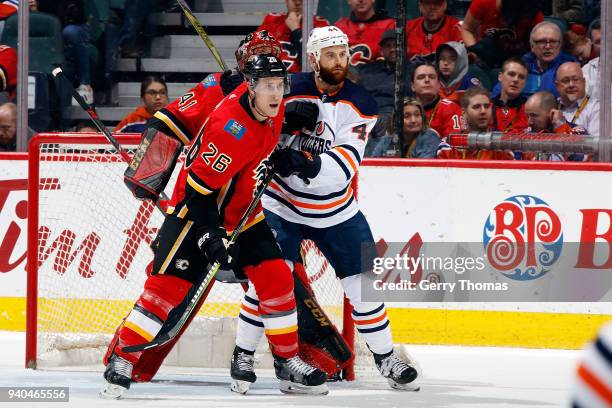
271,86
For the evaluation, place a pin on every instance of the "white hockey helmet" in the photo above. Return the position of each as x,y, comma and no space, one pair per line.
322,37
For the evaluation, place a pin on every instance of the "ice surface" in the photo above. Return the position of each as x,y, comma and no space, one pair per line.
455,377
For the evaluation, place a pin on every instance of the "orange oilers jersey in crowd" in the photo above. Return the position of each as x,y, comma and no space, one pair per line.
186,115
345,121
274,23
364,36
419,42
444,117
228,159
8,69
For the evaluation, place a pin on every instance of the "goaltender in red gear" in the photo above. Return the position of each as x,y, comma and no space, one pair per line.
225,166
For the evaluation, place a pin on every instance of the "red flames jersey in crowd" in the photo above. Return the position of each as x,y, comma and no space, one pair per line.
274,23
364,37
228,158
492,25
8,69
419,42
444,117
510,116
186,115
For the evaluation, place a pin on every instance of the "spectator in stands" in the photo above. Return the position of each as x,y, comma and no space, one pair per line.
10,7
424,34
577,107
76,39
494,30
8,127
137,30
364,28
544,59
287,28
571,11
579,46
544,116
378,78
509,104
154,94
594,33
452,64
8,71
476,109
443,116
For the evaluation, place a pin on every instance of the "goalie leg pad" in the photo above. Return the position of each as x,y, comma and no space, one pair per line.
274,286
152,164
161,294
321,345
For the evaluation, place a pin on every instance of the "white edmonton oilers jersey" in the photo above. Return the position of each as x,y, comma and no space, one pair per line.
345,121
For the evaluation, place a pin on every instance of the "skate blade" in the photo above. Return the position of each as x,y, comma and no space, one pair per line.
112,391
240,387
289,387
411,386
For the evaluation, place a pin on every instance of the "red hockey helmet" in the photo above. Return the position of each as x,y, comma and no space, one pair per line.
257,42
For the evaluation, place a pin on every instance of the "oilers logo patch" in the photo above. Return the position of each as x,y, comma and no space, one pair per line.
209,81
235,128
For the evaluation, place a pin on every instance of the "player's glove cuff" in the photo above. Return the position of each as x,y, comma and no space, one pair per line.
212,241
288,161
300,116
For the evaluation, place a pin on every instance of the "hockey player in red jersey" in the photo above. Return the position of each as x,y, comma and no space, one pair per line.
287,28
364,27
444,116
224,167
311,197
185,116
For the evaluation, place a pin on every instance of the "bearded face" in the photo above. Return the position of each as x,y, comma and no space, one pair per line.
333,64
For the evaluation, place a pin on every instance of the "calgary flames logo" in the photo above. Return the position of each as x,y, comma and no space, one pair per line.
523,237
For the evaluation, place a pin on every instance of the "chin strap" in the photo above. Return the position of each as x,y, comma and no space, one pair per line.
254,107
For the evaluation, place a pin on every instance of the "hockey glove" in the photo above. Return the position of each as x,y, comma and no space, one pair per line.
212,242
289,161
230,80
300,116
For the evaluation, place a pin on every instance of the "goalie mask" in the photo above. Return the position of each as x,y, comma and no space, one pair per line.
258,42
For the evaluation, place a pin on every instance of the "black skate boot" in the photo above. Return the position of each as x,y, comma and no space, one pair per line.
299,377
242,371
118,376
400,374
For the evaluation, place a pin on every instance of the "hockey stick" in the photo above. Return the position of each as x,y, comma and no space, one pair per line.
164,338
93,115
198,27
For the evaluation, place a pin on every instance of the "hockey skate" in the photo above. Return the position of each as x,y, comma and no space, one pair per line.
400,374
242,371
298,377
118,376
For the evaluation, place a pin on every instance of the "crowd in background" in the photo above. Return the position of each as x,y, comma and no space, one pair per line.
534,65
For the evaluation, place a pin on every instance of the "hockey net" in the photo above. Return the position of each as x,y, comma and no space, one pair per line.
88,247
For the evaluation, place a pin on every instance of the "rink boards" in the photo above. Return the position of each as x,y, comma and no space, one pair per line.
435,201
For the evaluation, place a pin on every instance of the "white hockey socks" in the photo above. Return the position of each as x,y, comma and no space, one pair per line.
250,325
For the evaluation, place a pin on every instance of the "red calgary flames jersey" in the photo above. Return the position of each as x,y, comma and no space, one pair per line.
8,69
509,118
274,23
364,37
228,158
186,115
419,42
444,117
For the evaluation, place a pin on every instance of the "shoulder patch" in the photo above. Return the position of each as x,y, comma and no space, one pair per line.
209,81
235,128
475,81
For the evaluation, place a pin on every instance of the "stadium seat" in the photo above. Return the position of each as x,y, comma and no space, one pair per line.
46,46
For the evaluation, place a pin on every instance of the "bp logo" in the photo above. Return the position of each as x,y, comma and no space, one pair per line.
522,237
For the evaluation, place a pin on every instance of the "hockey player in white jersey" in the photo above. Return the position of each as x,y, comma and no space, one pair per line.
311,198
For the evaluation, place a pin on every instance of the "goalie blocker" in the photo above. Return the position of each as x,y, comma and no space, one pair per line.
152,164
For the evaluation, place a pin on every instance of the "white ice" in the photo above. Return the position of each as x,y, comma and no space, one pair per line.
454,377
